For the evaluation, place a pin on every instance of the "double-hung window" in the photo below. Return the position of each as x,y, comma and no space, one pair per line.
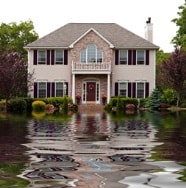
59,56
140,57
42,89
140,90
59,89
41,57
122,89
123,54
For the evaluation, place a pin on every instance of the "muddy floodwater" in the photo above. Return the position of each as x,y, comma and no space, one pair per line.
141,150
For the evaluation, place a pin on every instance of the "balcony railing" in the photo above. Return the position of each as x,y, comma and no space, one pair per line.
91,68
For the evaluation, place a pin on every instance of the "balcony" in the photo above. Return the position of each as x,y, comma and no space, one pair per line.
91,68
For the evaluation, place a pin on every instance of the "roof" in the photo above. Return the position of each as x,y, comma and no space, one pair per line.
114,34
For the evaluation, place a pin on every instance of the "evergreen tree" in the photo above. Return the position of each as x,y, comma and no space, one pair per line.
155,99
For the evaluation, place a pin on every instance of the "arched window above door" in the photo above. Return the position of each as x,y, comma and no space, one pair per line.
91,54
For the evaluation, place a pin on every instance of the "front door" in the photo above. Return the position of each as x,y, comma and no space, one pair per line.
91,91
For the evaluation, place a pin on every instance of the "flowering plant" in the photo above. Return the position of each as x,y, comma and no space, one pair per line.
78,96
104,96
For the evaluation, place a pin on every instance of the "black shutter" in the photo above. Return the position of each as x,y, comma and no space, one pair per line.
35,89
65,57
146,89
116,88
134,89
116,57
66,88
35,57
134,57
53,89
129,89
129,57
147,57
52,57
48,57
48,89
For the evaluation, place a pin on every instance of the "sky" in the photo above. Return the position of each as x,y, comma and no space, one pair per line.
49,15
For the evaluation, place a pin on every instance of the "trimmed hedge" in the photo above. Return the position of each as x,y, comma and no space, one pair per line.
39,106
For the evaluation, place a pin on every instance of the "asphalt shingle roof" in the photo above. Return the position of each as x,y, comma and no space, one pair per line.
118,36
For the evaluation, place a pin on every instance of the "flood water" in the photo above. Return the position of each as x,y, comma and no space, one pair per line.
142,150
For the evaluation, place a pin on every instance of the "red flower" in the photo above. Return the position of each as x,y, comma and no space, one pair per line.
104,96
78,96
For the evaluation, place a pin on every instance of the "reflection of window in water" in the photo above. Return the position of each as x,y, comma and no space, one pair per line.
133,128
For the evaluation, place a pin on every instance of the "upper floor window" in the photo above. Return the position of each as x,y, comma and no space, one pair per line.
140,90
122,89
59,56
140,57
41,57
123,56
91,54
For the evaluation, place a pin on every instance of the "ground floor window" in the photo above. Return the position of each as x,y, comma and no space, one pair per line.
60,89
132,89
140,90
50,89
42,89
122,89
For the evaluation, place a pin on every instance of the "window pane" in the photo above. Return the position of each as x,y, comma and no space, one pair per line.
140,90
59,57
123,89
123,57
140,57
59,89
42,89
91,53
41,57
83,55
99,56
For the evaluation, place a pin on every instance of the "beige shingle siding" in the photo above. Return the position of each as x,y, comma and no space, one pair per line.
114,33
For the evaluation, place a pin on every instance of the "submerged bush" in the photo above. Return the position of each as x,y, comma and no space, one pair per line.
39,106
17,105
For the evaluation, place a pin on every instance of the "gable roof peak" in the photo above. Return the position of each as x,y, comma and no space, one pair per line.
88,31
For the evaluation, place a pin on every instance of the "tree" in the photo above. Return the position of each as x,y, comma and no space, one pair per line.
155,99
14,78
180,39
173,72
160,57
16,36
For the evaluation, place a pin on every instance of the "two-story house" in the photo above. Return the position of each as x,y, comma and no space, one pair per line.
92,60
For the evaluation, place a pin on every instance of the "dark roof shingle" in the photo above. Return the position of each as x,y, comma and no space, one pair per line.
66,35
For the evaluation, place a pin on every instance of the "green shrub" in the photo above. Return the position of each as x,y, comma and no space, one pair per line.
2,106
169,96
29,102
65,105
39,106
17,105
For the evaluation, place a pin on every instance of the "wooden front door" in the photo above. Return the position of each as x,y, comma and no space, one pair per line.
91,91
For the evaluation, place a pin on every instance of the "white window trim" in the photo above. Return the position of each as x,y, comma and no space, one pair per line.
39,62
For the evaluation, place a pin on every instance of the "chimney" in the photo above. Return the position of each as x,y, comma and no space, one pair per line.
149,30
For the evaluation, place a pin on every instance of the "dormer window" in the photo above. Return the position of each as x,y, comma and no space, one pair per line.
91,54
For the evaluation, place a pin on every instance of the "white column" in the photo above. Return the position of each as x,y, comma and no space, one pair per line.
73,88
108,88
